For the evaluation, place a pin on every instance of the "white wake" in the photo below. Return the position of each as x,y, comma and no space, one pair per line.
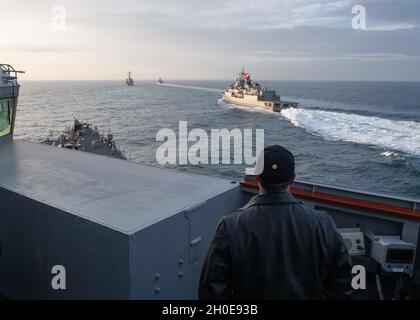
189,87
402,136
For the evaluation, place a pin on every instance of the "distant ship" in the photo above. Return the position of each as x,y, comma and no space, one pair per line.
130,81
160,81
244,92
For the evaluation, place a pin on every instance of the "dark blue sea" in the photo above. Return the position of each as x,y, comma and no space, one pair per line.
359,135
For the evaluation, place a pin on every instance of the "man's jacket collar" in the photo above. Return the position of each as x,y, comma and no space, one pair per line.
282,198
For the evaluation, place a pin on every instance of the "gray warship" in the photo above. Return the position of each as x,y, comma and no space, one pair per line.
122,230
245,92
129,81
84,136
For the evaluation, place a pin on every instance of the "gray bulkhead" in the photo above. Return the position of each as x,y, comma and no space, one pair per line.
121,230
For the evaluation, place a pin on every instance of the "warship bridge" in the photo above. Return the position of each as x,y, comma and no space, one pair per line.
139,232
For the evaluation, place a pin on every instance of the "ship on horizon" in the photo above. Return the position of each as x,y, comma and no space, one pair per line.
245,92
160,81
129,81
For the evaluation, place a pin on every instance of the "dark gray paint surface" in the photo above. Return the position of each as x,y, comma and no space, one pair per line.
115,193
121,230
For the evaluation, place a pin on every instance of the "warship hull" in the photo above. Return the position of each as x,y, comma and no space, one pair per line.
253,101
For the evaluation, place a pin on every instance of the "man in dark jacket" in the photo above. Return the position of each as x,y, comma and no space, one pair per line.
275,247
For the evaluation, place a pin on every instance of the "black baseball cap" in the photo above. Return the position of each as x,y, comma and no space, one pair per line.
275,165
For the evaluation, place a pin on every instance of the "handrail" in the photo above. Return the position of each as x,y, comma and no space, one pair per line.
348,198
8,70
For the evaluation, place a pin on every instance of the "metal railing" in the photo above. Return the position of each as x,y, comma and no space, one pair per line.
9,76
348,198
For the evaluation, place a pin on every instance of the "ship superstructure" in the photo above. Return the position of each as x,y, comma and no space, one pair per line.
245,92
84,136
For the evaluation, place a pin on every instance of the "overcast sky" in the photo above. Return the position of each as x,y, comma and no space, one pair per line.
196,39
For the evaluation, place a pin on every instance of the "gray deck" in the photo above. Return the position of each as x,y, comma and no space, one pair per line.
118,194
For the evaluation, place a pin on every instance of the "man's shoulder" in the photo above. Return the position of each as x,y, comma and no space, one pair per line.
232,215
321,217
325,218
319,214
325,225
318,217
235,216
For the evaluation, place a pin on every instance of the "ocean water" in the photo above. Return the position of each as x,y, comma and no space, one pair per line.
360,135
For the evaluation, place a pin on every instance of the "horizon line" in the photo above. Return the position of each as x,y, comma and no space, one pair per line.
155,80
